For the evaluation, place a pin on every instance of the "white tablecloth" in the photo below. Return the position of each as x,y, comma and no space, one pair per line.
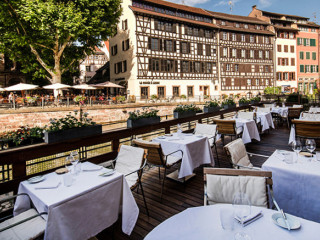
292,135
84,209
266,120
196,151
283,111
314,110
204,223
250,130
296,186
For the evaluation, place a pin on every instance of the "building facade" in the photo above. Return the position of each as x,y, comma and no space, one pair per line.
296,50
10,72
169,50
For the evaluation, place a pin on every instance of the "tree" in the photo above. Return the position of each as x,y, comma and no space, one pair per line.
272,90
50,37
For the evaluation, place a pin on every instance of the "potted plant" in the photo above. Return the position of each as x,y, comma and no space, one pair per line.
211,106
71,127
142,118
243,102
182,111
183,96
228,103
255,100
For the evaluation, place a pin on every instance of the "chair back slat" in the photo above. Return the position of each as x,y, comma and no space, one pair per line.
294,112
225,126
155,155
307,129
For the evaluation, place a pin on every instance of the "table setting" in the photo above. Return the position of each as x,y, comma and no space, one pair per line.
80,202
282,111
196,150
265,118
295,179
249,129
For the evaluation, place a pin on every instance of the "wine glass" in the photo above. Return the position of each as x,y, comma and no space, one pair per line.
74,160
242,209
310,145
297,147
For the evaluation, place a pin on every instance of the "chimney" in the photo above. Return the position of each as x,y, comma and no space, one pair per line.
254,7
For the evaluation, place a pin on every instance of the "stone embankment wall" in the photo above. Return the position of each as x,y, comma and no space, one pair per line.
11,120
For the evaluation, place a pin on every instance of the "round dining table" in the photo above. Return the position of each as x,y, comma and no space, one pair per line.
204,223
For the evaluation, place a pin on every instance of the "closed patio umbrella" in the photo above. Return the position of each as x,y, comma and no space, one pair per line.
57,86
21,87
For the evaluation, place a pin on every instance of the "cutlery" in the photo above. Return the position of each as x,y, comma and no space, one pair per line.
282,213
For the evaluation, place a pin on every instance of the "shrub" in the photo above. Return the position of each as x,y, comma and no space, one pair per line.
213,103
145,113
187,108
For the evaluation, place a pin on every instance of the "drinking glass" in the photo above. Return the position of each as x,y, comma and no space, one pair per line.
318,156
68,163
242,209
74,161
297,147
227,218
310,145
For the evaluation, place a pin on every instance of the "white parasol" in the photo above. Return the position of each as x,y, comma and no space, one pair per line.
57,86
2,89
107,84
21,87
84,86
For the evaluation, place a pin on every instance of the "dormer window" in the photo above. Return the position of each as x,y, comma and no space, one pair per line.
223,23
237,25
246,26
258,27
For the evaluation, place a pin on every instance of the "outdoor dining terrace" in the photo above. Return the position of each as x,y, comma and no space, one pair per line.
17,165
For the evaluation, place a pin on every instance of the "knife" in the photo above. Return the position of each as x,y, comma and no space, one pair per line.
283,215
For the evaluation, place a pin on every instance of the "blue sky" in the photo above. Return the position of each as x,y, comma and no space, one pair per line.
305,8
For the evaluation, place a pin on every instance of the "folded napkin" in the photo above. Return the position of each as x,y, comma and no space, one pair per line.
91,167
47,185
251,218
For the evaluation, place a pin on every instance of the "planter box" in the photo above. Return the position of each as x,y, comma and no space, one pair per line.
60,136
211,109
183,114
228,106
142,122
253,102
243,104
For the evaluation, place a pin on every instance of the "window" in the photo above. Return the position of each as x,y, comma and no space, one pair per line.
285,48
251,53
196,32
251,38
279,48
267,82
125,24
312,42
292,49
285,35
144,92
223,23
249,82
168,46
189,31
307,42
125,45
234,52
300,41
224,36
246,26
243,53
266,68
168,27
114,50
267,53
176,91
155,44
260,54
228,67
234,37
161,92
208,49
200,48
185,66
190,91
301,68
279,76
124,66
118,67
293,62
292,76
236,67
307,55
258,27
197,67
313,68
307,68
301,55
237,25
225,52
209,67
168,65
208,34
257,82
266,40
243,38
185,47
88,69
291,35
285,76
314,56
154,65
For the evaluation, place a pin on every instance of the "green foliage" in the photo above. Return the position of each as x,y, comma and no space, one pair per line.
243,100
294,98
213,103
121,98
256,99
22,135
228,101
187,108
69,122
80,99
183,96
50,37
154,97
272,90
145,113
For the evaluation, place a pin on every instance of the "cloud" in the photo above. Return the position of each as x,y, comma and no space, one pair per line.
265,3
189,2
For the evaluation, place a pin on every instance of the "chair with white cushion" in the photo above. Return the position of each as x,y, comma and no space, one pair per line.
130,162
269,105
238,155
157,158
209,131
221,184
228,128
247,115
24,226
265,109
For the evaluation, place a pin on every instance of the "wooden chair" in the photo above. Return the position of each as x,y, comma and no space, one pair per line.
306,129
210,131
156,157
24,226
220,185
238,155
130,162
228,128
292,114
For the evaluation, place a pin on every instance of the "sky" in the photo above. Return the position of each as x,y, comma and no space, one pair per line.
305,8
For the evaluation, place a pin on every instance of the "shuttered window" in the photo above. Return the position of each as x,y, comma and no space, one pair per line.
312,42
301,55
314,56
302,68
307,55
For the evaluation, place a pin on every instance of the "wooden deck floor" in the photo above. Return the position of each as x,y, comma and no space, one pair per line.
177,197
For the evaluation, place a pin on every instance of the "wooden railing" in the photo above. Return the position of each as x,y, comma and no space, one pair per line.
13,162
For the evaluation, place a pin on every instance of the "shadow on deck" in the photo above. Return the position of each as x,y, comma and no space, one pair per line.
178,197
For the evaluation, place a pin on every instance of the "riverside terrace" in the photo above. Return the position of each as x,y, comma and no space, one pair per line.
22,163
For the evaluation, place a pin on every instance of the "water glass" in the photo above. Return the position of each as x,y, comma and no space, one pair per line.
297,147
67,179
77,168
318,156
310,145
227,218
68,163
242,209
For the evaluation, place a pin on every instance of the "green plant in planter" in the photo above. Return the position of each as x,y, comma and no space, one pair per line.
187,108
121,98
255,99
213,103
23,135
183,96
145,113
80,99
206,97
154,97
228,102
244,101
